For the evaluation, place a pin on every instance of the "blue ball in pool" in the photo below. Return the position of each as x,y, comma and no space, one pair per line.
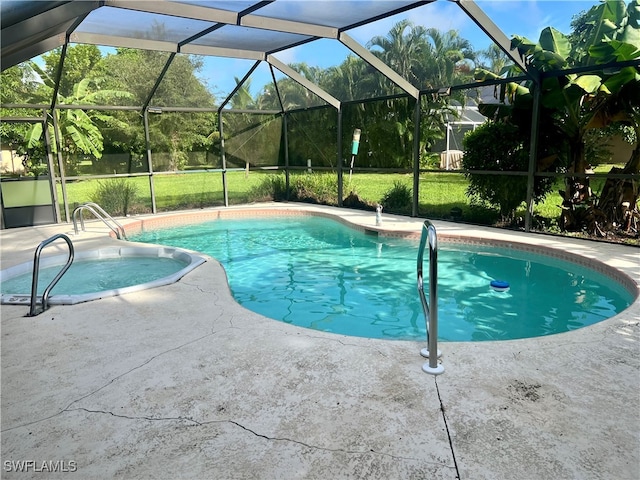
499,285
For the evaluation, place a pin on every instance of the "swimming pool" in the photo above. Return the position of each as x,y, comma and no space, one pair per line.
317,273
99,273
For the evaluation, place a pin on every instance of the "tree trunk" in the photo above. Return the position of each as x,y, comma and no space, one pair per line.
577,197
619,198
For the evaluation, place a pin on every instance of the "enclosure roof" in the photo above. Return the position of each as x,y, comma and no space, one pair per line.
242,29
238,29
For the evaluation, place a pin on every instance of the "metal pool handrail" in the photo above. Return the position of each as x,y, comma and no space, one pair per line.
36,268
101,214
431,307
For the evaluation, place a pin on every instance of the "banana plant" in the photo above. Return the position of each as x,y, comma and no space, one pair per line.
576,102
79,129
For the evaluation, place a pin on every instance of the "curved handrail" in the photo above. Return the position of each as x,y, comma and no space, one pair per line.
36,267
431,307
100,214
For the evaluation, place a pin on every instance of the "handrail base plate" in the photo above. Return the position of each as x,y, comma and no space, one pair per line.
433,371
425,353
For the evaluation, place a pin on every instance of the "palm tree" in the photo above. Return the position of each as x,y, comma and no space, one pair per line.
493,59
402,48
429,59
448,61
290,94
351,80
242,99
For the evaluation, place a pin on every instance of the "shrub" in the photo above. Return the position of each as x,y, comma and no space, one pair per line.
398,198
312,187
499,146
430,160
271,187
115,195
34,168
354,201
319,188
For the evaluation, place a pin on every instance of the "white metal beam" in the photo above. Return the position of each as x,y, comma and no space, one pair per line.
491,29
288,26
193,49
378,64
176,9
125,42
32,50
290,72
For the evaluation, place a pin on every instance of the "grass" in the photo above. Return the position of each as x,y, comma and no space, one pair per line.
440,194
173,191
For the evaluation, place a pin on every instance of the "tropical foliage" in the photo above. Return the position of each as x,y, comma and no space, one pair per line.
500,146
572,104
174,137
428,58
18,84
398,198
80,132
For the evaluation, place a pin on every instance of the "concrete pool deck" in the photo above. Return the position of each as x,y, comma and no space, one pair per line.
180,381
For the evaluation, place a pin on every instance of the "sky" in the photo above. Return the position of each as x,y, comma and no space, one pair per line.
514,17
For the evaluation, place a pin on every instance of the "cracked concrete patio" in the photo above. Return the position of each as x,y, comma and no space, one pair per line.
181,382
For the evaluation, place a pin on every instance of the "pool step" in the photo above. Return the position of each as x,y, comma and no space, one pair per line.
12,299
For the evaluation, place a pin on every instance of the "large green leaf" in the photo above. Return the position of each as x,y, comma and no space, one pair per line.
624,76
519,95
631,35
633,11
87,143
495,111
551,84
85,135
615,51
563,99
525,46
605,22
111,121
48,81
554,99
554,41
81,90
34,135
589,83
547,60
550,53
482,75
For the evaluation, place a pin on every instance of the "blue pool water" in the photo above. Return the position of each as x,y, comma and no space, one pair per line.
96,275
317,273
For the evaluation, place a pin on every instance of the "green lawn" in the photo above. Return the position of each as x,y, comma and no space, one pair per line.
439,193
172,192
